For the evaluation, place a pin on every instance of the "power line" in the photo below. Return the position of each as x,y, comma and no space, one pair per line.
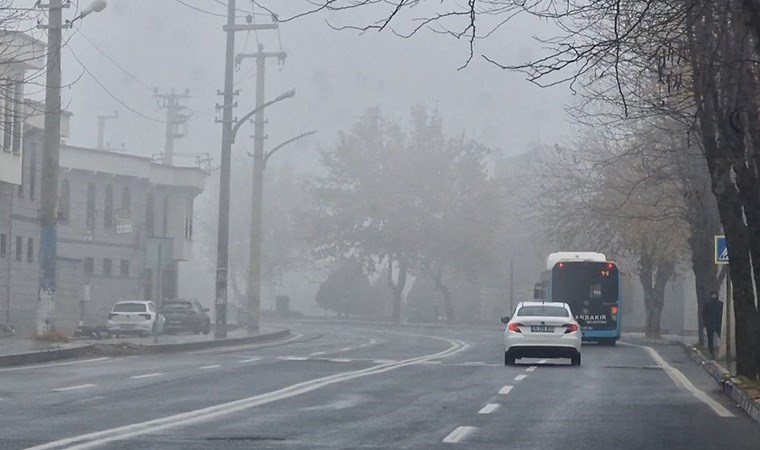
200,9
125,71
111,94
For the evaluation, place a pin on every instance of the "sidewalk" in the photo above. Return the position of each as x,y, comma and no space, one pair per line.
15,350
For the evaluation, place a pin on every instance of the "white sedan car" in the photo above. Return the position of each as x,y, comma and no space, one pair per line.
542,330
134,316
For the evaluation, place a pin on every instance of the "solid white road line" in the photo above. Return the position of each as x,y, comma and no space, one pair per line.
340,360
99,438
458,435
520,377
292,358
235,348
147,375
43,366
543,361
505,390
345,349
682,381
316,353
255,358
489,408
531,368
74,388
212,366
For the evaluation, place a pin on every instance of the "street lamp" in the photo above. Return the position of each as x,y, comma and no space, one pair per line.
50,156
289,94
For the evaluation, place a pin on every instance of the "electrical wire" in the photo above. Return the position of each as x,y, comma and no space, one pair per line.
125,71
111,94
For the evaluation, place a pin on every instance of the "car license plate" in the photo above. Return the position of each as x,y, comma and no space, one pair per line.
541,329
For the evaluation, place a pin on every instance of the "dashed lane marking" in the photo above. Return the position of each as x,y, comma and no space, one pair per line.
212,366
44,366
520,377
339,360
489,408
147,375
255,358
293,358
74,388
543,361
317,353
458,435
531,369
345,349
505,390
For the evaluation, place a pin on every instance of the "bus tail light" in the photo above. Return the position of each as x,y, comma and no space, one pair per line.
614,310
514,327
571,328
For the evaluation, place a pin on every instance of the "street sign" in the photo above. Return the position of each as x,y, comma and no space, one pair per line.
721,250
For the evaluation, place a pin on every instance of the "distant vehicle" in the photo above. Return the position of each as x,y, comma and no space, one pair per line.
590,284
134,316
185,315
542,330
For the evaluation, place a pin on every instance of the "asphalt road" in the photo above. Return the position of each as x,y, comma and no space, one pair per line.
359,386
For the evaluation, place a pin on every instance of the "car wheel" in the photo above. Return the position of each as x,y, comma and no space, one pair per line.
509,359
575,360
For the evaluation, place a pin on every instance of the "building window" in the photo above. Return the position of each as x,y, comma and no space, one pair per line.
89,266
90,206
3,245
107,269
64,202
126,200
32,170
108,208
29,250
150,218
189,219
124,269
19,248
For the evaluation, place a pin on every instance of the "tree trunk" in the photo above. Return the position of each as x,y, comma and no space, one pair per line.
437,277
397,287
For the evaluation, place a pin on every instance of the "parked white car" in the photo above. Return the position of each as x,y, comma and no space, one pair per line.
134,316
542,330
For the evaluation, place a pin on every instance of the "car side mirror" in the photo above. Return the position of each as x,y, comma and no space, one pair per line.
505,320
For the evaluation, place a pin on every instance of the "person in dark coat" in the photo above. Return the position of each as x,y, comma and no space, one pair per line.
712,315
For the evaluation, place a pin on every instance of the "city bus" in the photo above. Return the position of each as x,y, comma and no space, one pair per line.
590,284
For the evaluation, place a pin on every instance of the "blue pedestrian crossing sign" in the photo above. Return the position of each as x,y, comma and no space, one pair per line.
721,250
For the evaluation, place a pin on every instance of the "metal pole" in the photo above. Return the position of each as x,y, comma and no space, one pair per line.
171,109
222,244
160,289
254,290
49,183
511,284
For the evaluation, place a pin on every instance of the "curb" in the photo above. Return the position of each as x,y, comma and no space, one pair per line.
726,381
93,349
332,321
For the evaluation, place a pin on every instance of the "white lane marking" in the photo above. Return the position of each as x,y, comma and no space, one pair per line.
489,408
340,360
292,358
100,438
43,366
458,435
373,341
147,375
345,349
316,353
531,369
520,377
74,388
255,358
212,366
505,390
543,361
682,381
235,348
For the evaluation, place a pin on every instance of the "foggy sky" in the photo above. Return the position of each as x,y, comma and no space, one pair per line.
337,76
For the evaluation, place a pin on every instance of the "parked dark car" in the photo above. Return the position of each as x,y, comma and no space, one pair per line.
185,315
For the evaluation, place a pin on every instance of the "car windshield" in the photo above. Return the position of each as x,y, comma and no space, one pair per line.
129,307
543,311
177,306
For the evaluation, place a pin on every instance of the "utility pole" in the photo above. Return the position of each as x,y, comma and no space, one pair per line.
174,120
257,194
50,157
102,127
223,234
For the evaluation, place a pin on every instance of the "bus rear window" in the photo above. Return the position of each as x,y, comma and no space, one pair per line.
544,310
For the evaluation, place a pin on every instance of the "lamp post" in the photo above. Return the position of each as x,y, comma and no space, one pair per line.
50,156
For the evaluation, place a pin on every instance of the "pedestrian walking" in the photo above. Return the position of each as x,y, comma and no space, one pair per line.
712,315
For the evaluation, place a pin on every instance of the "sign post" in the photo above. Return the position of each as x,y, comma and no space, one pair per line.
721,258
